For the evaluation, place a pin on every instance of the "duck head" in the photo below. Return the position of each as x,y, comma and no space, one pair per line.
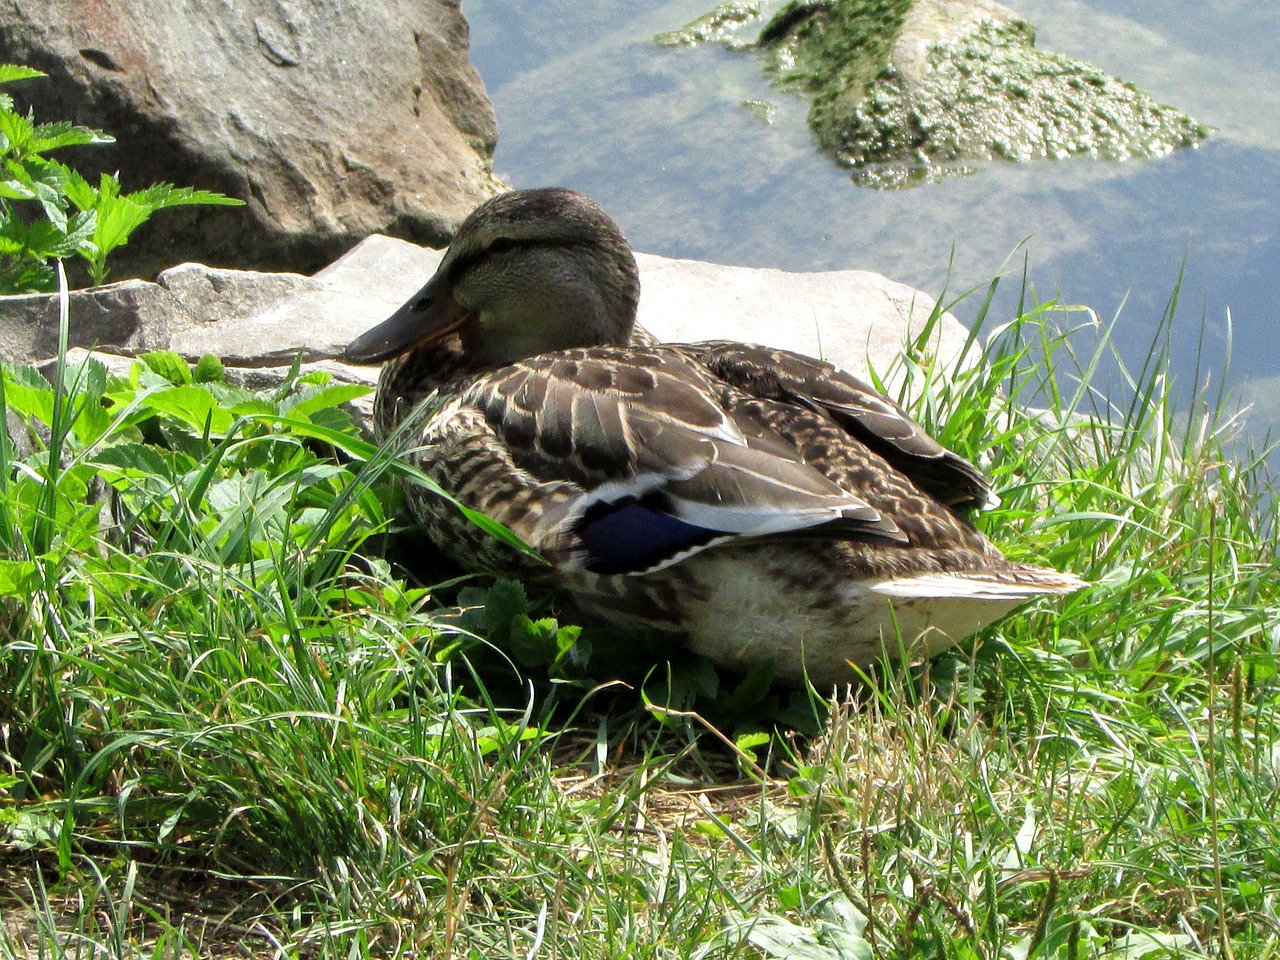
528,272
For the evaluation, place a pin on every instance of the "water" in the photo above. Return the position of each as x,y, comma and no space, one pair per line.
661,138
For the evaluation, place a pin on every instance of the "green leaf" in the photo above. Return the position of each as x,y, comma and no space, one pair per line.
78,190
748,742
136,460
1141,942
108,187
17,577
567,639
118,217
86,378
164,195
54,136
776,936
193,406
789,897
251,509
539,643
26,276
35,179
252,407
91,423
33,829
41,240
169,365
701,677
25,374
16,132
29,402
15,182
532,642
208,369
9,72
751,692
79,232
503,603
313,378
313,399
13,190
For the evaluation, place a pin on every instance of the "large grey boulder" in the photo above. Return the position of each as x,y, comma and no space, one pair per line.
332,120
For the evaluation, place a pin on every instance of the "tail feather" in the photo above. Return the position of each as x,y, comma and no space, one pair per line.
1019,584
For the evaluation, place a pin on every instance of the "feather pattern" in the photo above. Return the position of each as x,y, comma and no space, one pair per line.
763,505
638,428
865,414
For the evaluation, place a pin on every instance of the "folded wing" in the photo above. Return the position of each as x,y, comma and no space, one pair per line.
857,408
662,471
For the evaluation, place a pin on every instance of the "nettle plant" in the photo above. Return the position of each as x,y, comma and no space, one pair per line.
48,211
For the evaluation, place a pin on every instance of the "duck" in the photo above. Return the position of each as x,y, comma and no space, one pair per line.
759,506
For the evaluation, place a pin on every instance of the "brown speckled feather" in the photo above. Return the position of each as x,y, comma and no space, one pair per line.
861,411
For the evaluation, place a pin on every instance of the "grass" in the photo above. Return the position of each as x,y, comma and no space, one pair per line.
225,731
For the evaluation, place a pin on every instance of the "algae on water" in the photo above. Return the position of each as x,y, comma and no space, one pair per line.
719,25
910,91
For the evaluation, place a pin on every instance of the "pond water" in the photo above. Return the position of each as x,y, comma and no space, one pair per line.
661,137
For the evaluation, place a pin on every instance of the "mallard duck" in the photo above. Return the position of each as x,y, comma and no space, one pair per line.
763,505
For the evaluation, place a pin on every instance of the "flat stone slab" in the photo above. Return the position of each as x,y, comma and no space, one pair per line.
319,319
258,324
855,319
851,318
132,312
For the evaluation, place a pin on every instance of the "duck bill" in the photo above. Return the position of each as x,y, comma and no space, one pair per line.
429,315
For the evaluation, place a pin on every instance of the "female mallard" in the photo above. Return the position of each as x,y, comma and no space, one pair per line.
763,504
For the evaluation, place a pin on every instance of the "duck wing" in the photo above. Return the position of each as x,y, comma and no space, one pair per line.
661,470
857,408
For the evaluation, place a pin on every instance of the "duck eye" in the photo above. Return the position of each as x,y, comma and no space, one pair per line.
502,244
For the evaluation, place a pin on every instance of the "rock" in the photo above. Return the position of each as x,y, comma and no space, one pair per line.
137,315
966,84
260,323
117,365
133,314
318,321
858,320
850,317
214,295
910,91
332,121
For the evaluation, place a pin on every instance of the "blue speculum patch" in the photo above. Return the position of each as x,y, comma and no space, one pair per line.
630,536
